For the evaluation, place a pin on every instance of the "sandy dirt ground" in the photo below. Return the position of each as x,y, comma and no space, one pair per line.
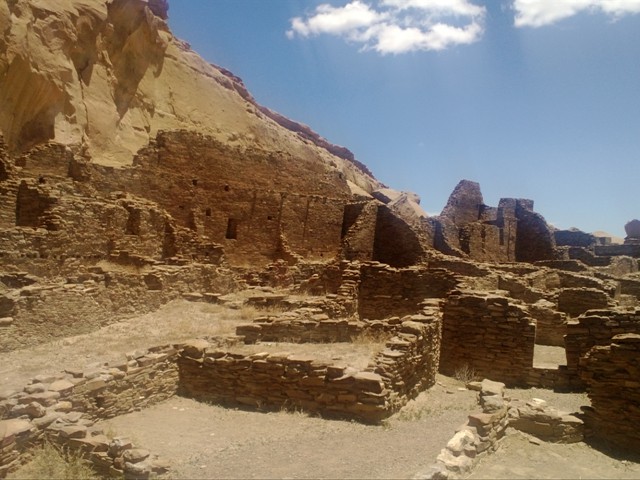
208,441
519,458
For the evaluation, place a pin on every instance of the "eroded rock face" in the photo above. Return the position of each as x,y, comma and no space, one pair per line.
108,75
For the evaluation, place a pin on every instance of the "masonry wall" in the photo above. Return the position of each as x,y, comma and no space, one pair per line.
406,366
551,325
64,407
597,328
247,200
94,297
396,243
489,334
281,381
409,363
576,301
612,375
385,291
359,230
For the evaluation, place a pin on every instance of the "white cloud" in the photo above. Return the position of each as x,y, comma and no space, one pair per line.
446,7
537,13
396,26
336,21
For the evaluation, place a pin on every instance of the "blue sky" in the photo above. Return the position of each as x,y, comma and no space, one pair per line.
534,99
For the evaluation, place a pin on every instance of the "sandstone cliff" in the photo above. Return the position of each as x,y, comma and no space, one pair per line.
107,75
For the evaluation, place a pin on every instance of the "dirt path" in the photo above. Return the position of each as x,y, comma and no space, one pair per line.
207,441
518,458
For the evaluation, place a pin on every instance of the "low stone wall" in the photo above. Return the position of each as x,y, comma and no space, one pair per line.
64,407
385,291
478,435
483,431
536,418
597,327
407,365
576,301
304,325
612,374
488,334
275,381
94,297
553,378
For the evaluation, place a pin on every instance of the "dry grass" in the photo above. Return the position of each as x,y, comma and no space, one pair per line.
465,373
374,341
53,462
175,322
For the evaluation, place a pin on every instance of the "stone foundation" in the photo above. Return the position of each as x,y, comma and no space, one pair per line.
406,366
63,409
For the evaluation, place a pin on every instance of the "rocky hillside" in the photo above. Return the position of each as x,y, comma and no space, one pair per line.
108,75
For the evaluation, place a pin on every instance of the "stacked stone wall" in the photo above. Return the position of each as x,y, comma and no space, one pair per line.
551,325
407,365
95,297
306,326
576,301
64,407
359,230
487,334
248,200
597,328
385,291
396,243
612,374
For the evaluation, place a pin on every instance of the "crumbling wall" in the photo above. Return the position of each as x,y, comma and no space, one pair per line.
359,230
487,334
406,366
576,301
247,201
510,232
96,297
612,375
64,407
597,328
385,291
534,240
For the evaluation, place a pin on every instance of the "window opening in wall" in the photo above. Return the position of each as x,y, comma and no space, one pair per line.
207,212
232,229
194,182
501,233
269,217
227,188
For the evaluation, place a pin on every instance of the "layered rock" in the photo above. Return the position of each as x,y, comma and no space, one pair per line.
103,75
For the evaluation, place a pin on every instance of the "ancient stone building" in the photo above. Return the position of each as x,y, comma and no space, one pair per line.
511,232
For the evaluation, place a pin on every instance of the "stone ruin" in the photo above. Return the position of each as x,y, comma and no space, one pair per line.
476,288
198,213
